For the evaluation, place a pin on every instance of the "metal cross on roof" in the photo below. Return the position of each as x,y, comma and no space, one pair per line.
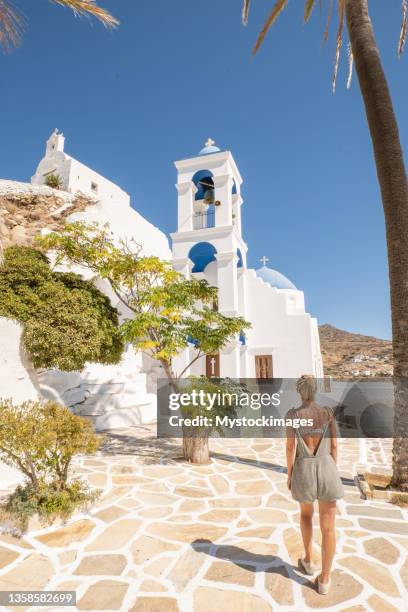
210,142
264,260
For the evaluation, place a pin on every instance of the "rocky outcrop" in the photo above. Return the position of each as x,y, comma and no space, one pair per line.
26,210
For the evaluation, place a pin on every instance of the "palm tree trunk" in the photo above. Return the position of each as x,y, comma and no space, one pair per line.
394,191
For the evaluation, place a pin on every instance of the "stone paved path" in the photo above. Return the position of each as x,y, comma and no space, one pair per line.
167,536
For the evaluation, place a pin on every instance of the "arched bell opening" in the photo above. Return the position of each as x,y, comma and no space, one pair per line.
203,180
201,254
204,211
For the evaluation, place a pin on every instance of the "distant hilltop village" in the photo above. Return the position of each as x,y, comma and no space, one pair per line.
347,355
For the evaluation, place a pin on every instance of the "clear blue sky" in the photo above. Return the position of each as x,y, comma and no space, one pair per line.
132,101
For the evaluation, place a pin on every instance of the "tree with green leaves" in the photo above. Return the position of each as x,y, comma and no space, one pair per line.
224,403
169,311
12,22
392,178
40,440
67,321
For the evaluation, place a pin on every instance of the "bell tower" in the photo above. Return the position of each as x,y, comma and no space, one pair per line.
55,142
208,241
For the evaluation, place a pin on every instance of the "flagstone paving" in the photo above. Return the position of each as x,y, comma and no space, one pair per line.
167,536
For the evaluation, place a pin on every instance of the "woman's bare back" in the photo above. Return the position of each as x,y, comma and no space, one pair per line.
320,417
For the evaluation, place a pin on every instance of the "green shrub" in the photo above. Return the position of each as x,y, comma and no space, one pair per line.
40,440
47,501
220,408
67,320
54,181
399,499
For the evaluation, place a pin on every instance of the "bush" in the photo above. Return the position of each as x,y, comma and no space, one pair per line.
47,501
54,181
40,440
399,499
220,408
67,320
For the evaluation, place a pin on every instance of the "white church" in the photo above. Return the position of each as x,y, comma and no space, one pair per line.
283,340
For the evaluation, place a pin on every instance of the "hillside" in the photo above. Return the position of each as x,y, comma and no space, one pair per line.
346,354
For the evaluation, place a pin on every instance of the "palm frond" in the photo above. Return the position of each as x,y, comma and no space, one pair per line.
309,5
328,22
403,33
245,11
339,41
11,25
351,63
89,8
276,11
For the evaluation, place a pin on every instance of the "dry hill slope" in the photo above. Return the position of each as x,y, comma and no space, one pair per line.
347,354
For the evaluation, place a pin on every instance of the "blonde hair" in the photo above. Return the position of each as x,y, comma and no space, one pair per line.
306,387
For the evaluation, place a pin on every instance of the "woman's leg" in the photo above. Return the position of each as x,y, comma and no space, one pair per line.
306,527
327,514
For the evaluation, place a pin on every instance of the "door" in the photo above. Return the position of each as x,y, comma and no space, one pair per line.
263,366
212,366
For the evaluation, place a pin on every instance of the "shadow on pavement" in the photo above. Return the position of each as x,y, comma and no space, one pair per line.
252,562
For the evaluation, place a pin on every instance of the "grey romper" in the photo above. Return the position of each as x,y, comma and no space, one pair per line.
315,476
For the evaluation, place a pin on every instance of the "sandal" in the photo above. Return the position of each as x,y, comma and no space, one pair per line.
308,568
322,587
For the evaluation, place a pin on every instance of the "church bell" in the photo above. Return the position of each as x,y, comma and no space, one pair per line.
209,197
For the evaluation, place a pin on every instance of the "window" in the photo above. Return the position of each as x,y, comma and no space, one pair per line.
94,187
263,366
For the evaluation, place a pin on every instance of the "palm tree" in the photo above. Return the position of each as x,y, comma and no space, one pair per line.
392,179
12,21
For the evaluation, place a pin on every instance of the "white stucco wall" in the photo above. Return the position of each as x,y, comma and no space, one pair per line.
15,379
15,383
75,175
113,203
281,328
127,223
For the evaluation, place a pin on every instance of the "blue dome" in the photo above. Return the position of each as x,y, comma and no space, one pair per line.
274,278
209,147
